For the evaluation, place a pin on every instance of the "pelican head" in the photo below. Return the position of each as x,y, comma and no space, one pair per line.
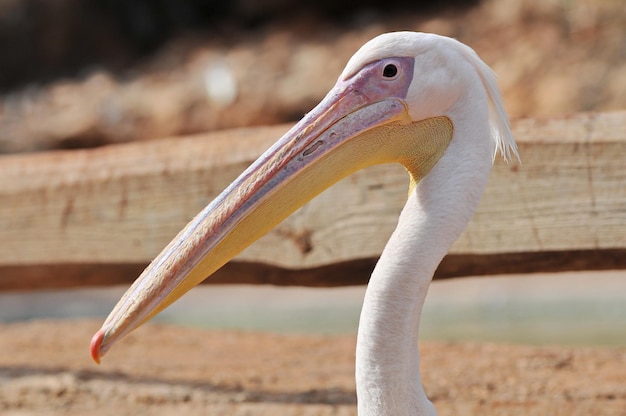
403,97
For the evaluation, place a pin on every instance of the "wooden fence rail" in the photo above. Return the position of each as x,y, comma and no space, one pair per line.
97,217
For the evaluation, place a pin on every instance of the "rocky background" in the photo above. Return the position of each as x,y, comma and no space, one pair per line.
87,73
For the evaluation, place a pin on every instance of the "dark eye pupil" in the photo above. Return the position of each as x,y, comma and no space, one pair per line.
390,71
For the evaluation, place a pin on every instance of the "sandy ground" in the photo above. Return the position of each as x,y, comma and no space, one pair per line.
45,369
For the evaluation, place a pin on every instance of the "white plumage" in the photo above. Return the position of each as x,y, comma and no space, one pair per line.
423,100
449,80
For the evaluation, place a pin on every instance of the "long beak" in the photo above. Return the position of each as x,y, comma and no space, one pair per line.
344,133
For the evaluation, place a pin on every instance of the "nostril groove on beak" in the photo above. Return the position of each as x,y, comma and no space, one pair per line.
311,149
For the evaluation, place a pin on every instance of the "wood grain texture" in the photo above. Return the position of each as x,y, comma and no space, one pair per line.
118,206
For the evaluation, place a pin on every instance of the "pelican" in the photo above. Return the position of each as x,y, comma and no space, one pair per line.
426,101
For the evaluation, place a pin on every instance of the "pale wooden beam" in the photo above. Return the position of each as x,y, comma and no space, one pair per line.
89,217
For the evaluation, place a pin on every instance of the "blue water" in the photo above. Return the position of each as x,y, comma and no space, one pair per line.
559,310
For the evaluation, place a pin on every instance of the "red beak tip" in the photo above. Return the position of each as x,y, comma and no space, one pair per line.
96,342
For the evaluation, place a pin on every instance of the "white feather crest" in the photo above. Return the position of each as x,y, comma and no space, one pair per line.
498,118
412,43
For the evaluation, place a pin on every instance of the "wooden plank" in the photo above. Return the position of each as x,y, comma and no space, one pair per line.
114,208
354,272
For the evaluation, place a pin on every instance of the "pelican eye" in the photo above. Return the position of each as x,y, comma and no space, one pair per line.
390,71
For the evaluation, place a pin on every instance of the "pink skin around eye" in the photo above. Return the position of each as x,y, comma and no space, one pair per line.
371,82
365,87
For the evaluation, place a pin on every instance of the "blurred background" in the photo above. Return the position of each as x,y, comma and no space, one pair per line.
86,73
79,73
